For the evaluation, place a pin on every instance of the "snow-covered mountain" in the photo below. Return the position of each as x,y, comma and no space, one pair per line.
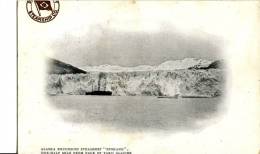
184,64
168,65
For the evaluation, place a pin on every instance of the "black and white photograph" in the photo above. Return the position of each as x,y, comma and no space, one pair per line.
138,77
137,81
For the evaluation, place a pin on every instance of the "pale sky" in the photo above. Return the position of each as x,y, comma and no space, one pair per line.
145,32
130,34
102,45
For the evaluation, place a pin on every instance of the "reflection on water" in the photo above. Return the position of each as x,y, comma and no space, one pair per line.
137,113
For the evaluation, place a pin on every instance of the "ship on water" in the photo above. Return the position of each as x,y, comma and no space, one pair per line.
99,91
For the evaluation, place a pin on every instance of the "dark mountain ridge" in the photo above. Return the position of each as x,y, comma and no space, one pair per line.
57,67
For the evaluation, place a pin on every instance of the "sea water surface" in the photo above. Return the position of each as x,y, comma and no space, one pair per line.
137,113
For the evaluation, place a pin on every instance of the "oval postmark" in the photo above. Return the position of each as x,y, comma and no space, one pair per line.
43,10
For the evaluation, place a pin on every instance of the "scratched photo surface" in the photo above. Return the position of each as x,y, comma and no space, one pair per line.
154,77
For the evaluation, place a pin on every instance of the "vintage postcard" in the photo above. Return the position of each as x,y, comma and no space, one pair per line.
138,77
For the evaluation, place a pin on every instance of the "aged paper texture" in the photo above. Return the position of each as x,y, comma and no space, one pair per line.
138,77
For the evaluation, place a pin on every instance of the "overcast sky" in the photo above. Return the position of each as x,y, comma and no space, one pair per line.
131,34
106,46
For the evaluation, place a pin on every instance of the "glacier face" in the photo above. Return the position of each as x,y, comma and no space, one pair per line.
184,82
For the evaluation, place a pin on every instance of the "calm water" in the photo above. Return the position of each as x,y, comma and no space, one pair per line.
137,113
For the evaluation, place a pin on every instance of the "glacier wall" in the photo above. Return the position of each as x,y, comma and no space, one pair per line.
208,82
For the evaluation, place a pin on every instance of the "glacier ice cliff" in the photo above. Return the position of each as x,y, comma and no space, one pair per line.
193,82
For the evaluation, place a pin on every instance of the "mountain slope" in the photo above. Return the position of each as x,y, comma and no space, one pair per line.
57,67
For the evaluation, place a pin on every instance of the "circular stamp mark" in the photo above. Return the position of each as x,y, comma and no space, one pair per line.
43,10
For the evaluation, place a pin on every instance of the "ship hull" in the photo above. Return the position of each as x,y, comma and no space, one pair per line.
100,93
